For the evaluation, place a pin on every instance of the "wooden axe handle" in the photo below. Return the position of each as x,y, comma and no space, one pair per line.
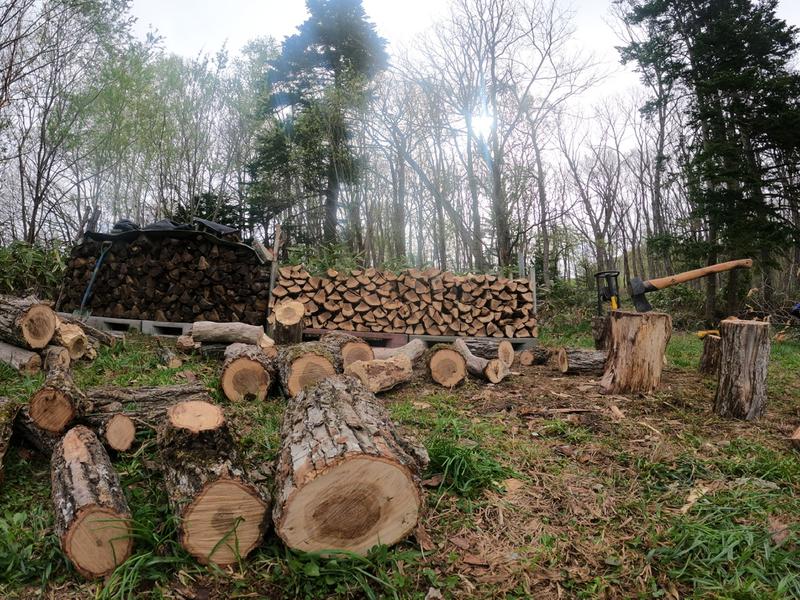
663,282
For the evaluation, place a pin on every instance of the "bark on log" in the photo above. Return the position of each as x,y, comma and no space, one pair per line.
346,349
26,322
494,370
92,519
58,402
302,365
578,361
230,333
41,440
144,405
744,359
446,366
71,337
413,350
246,373
19,359
380,375
8,414
222,514
346,478
56,357
97,337
601,332
534,356
490,348
636,357
288,320
709,360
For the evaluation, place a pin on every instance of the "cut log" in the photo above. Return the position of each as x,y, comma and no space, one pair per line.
744,359
491,348
579,361
71,337
8,414
19,359
117,431
58,402
346,349
247,373
636,357
41,440
494,370
26,322
221,513
446,366
709,360
230,333
534,356
56,357
601,332
289,317
413,350
92,519
96,337
346,478
302,365
186,343
379,375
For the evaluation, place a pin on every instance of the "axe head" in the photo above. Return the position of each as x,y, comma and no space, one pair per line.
638,290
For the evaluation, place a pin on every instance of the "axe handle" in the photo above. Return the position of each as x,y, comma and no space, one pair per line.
663,282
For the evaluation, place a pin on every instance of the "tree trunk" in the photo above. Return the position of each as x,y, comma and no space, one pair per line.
577,361
246,373
446,366
289,320
302,365
346,349
58,402
25,322
221,513
346,478
8,414
636,357
379,375
744,359
494,370
230,333
97,337
709,360
19,359
92,519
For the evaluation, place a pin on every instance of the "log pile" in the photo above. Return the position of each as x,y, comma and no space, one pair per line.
192,278
412,301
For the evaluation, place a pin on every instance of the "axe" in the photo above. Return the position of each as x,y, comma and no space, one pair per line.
639,288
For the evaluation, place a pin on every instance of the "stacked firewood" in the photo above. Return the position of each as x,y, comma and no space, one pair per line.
429,302
163,278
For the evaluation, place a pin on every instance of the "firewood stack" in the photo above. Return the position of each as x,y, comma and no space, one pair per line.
193,278
429,302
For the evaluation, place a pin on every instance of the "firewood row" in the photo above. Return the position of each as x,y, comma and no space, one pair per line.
413,301
163,278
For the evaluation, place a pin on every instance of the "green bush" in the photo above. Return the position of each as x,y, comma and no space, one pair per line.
26,269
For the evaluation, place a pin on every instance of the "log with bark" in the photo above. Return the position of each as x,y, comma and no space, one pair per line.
446,366
534,356
744,360
489,348
246,373
115,430
39,439
221,513
92,519
96,337
288,320
302,365
56,357
494,370
8,414
26,322
19,359
601,332
579,361
709,360
230,333
58,402
346,478
346,349
380,375
414,350
71,337
636,357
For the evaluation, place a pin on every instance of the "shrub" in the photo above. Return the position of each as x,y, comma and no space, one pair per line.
26,269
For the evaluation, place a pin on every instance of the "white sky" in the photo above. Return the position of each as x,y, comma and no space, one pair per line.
192,26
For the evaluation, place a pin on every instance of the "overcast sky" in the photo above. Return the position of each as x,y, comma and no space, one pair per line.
192,26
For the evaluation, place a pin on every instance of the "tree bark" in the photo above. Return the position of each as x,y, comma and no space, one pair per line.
380,375
494,370
19,359
302,365
534,356
709,360
413,350
246,373
346,478
56,357
577,361
491,348
601,332
41,440
744,359
26,322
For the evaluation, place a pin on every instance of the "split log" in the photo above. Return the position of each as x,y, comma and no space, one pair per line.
346,349
71,337
380,375
288,320
56,357
230,333
491,348
302,365
346,478
96,337
8,414
413,350
58,402
601,332
636,357
494,370
246,373
709,360
446,366
92,519
744,359
26,322
19,359
221,512
534,356
41,440
578,361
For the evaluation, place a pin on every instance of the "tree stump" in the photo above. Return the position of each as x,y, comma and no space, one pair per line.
346,349
636,357
19,359
534,356
302,365
709,360
578,361
601,332
92,519
26,322
288,319
494,370
71,337
380,375
58,402
231,333
744,358
446,366
8,414
246,373
346,478
221,512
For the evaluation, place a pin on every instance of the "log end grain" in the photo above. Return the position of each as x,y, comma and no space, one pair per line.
120,431
98,540
355,351
245,378
307,370
38,325
289,312
496,370
447,367
195,416
51,409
